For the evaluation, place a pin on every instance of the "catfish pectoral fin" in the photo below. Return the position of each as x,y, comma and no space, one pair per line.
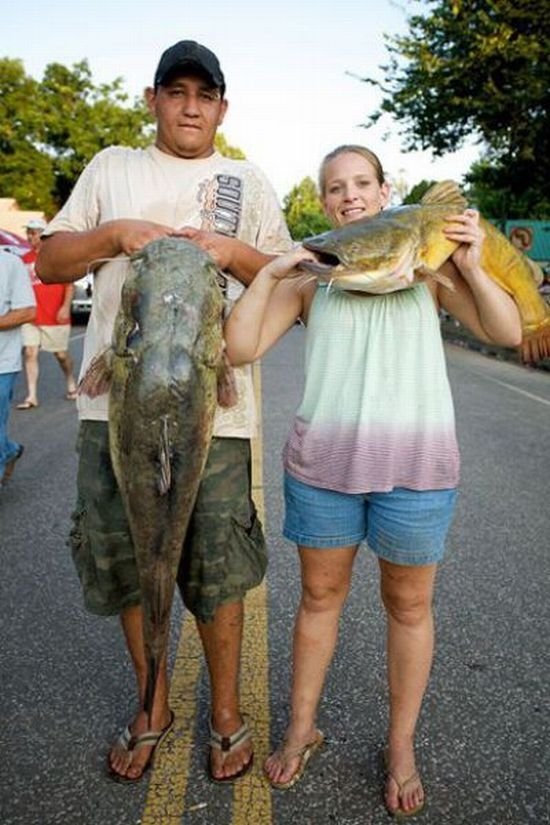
226,384
444,280
97,378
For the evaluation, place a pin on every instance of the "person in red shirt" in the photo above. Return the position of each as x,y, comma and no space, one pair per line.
52,326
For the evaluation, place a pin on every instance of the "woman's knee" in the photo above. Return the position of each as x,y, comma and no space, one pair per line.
407,594
324,594
326,577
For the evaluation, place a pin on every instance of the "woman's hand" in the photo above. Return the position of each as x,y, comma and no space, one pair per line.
286,266
465,230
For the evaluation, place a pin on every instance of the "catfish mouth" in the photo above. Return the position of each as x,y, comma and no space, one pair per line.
324,264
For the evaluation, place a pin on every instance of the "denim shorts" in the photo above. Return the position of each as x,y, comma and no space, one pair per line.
401,526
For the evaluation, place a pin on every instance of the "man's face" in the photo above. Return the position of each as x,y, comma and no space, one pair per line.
188,112
33,237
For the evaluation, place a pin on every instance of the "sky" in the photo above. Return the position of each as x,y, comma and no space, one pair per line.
291,68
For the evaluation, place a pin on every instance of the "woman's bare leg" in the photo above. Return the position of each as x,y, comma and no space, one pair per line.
326,576
407,594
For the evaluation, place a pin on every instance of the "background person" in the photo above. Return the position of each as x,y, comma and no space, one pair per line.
124,199
522,238
51,327
17,306
372,455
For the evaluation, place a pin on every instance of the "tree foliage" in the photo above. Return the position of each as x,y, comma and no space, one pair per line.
50,129
224,148
418,191
478,68
303,211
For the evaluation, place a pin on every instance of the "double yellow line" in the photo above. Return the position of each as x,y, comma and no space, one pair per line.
165,803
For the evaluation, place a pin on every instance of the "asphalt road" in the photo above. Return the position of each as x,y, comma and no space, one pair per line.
484,732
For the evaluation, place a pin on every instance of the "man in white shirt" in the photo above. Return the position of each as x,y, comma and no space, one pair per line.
124,199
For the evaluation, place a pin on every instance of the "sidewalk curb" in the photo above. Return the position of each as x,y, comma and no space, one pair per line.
456,334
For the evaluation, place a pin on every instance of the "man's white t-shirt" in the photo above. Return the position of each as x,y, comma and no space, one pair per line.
217,194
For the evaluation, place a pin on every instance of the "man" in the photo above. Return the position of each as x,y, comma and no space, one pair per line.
16,308
52,325
124,199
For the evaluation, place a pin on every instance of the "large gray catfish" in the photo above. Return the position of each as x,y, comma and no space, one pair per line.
165,366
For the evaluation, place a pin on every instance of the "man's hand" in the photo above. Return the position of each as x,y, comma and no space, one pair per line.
132,235
63,315
219,247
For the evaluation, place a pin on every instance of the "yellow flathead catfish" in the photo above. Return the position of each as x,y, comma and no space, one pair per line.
401,245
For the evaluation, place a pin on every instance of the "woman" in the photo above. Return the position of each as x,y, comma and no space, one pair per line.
372,454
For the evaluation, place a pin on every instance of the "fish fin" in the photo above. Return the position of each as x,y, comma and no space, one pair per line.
227,385
445,192
165,479
150,686
97,378
536,346
424,271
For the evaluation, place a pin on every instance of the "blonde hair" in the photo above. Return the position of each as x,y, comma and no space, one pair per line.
350,148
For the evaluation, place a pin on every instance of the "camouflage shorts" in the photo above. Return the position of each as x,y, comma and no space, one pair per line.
224,550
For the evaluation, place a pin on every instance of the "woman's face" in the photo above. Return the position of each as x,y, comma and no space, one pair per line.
352,189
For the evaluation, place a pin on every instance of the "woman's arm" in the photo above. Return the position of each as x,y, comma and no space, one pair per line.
477,301
267,309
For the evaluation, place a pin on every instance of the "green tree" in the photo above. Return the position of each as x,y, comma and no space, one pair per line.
418,191
478,68
224,148
303,211
50,129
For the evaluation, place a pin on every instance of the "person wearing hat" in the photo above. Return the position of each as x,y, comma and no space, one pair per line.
124,199
51,327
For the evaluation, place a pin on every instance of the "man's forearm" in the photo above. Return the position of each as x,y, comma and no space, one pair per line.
246,262
66,256
16,317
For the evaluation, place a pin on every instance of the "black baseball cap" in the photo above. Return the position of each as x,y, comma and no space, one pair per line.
187,54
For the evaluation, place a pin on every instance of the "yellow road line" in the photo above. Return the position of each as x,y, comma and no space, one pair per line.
166,796
165,803
251,795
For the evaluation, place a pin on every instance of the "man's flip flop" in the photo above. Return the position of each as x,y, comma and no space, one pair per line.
27,405
228,744
129,744
304,754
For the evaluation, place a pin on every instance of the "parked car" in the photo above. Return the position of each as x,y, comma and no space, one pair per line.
82,298
13,243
